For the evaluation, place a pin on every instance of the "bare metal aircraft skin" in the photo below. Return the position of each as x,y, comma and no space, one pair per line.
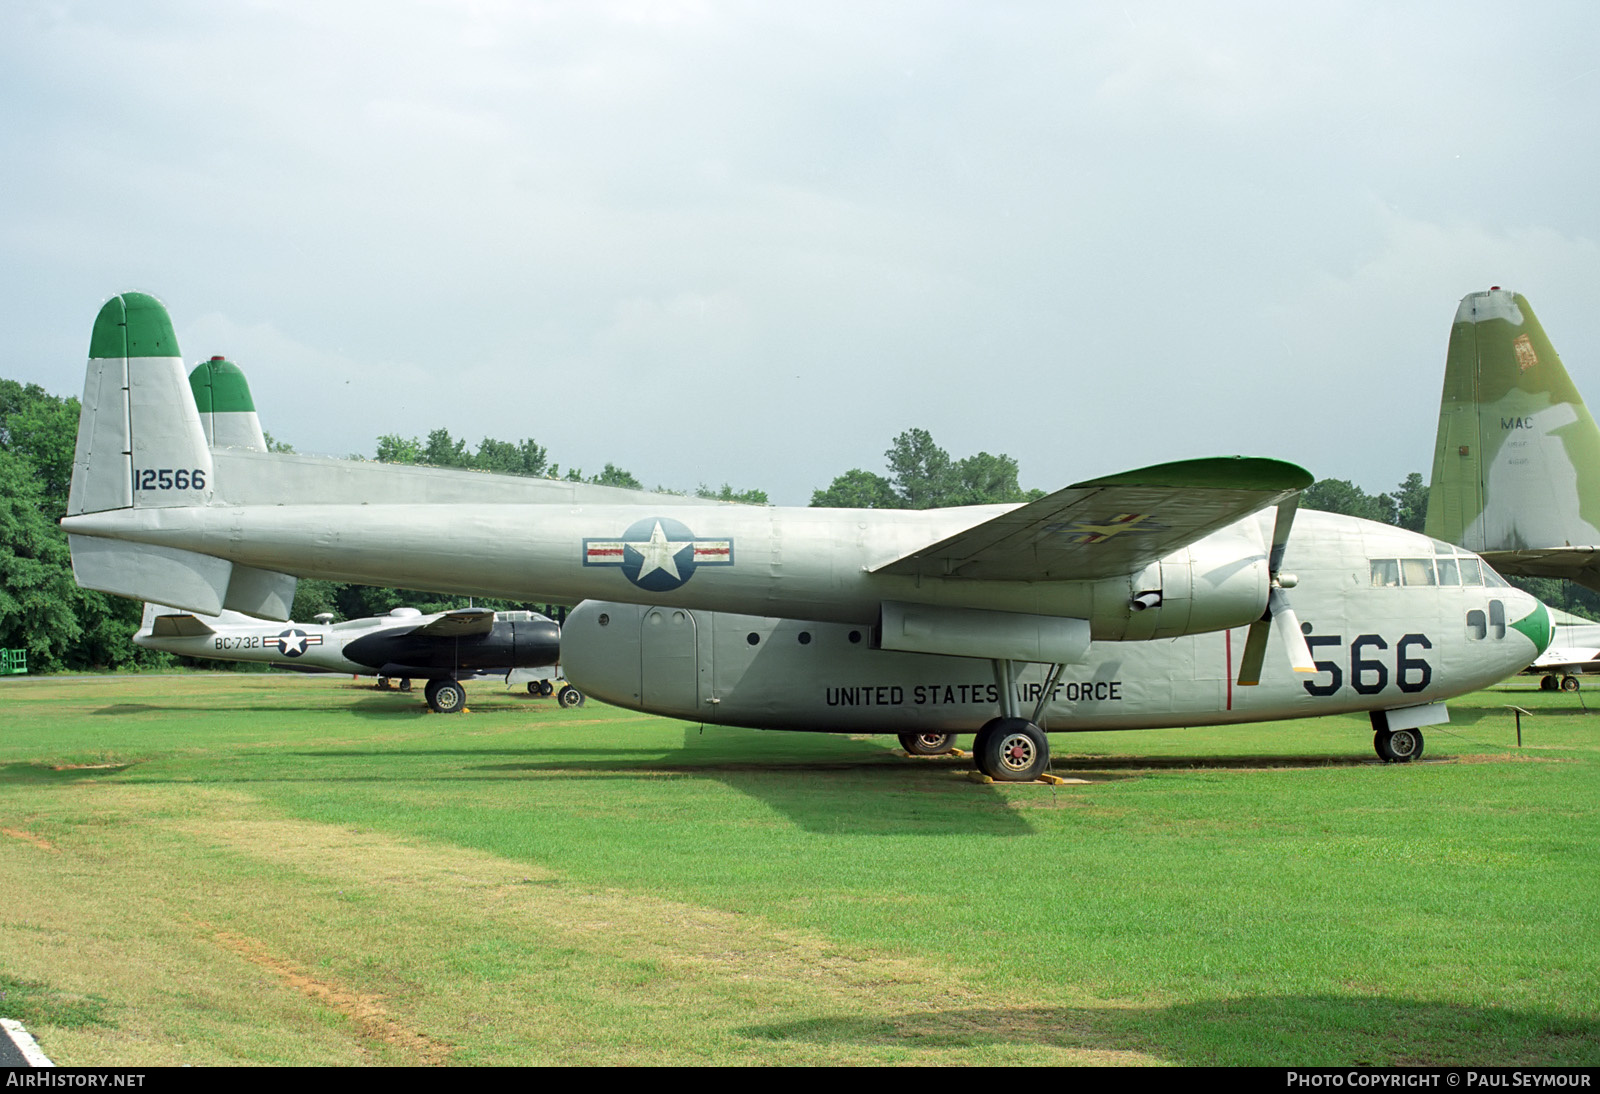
1169,596
441,647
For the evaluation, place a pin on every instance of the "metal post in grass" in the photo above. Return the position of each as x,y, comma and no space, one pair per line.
1520,713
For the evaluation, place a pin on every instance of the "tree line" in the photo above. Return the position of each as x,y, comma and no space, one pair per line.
64,627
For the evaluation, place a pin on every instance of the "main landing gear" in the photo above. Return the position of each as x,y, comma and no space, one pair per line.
928,744
445,695
1565,682
1395,746
1011,748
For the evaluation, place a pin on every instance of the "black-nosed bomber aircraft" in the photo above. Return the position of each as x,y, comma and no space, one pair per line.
441,648
1137,600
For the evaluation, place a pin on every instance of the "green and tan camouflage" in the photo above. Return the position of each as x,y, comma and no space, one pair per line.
1516,464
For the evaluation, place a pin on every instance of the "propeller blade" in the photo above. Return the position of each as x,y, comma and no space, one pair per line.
1255,652
1278,610
1288,624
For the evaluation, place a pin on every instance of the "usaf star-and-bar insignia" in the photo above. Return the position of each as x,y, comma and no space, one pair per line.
293,642
658,553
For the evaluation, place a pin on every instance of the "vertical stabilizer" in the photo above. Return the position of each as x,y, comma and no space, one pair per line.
140,442
227,413
1516,463
141,445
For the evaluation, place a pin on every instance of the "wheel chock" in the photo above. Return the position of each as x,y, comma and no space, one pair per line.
979,777
1053,780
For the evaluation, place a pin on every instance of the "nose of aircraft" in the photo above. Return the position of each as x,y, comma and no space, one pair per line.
1531,620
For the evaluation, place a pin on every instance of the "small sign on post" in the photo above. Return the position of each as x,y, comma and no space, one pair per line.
1520,713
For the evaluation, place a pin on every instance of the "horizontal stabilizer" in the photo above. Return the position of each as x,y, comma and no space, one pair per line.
180,625
1109,526
165,575
459,623
264,594
183,579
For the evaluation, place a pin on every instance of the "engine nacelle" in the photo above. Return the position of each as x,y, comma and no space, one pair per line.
1209,586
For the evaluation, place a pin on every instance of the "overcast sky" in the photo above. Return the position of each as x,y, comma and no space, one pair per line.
752,242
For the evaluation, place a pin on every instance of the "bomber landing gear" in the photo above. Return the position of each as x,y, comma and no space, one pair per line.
928,744
1549,683
1570,683
1398,746
1011,750
444,695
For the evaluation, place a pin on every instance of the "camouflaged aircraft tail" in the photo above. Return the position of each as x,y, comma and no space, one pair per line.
1516,463
142,446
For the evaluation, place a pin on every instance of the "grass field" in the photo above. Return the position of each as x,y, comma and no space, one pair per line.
222,869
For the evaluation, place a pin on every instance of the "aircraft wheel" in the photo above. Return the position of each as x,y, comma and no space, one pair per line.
1548,683
405,683
546,688
570,696
533,688
1399,746
445,696
383,683
1012,750
928,744
1570,683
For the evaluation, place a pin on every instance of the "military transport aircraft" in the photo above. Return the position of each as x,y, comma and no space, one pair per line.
440,648
1136,600
1516,462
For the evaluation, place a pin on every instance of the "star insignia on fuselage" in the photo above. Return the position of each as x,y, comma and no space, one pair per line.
658,553
293,642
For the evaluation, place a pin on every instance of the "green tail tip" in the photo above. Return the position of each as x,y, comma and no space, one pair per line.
219,386
134,324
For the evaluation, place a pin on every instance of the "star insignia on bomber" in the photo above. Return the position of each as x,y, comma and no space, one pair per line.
658,553
293,642
1090,531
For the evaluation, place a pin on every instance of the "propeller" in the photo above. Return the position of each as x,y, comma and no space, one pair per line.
1278,611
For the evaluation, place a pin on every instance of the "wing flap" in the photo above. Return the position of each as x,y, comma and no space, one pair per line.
1108,526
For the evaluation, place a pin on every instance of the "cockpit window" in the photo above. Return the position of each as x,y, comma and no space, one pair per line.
1449,566
1494,580
1417,571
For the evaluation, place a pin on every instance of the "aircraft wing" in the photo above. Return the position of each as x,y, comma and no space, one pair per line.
180,625
459,623
1109,526
1580,564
